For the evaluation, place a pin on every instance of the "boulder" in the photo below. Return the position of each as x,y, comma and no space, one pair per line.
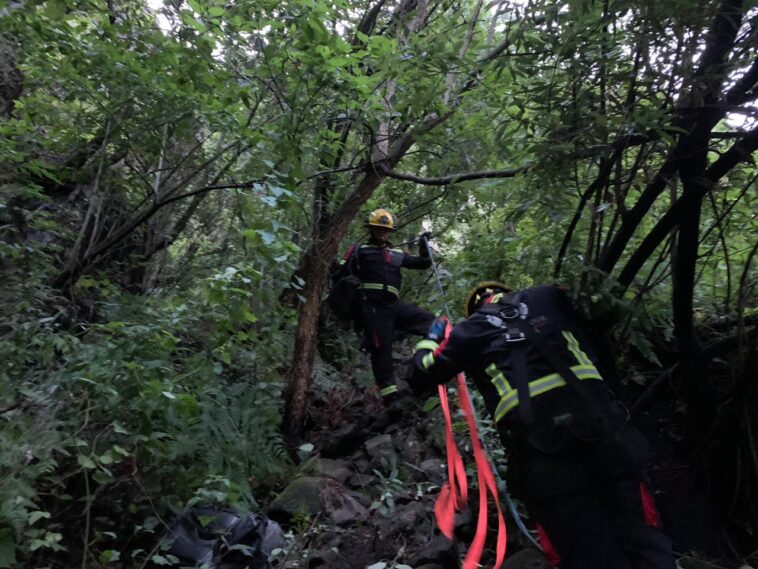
326,467
303,495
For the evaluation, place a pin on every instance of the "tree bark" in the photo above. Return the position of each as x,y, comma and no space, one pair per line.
315,270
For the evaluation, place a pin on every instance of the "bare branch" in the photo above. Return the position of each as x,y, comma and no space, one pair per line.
452,178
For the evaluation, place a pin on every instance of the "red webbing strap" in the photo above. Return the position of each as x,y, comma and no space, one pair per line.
486,481
454,493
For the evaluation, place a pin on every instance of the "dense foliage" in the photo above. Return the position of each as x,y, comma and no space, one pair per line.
177,177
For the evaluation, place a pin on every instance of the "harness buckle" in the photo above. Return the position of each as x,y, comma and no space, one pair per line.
518,336
509,313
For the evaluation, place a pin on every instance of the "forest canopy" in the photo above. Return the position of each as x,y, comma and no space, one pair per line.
177,178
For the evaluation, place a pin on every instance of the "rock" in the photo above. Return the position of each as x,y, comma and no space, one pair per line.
439,550
336,469
343,506
362,498
526,559
411,449
362,466
378,448
303,495
405,519
349,512
343,441
325,559
362,481
434,469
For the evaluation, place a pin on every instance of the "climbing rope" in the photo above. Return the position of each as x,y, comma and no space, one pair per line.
474,421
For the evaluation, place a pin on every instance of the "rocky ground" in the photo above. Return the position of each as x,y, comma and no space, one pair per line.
366,497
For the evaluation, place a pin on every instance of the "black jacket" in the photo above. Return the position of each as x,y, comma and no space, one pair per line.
378,266
487,346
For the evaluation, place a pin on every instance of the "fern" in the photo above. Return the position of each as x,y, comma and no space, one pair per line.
237,434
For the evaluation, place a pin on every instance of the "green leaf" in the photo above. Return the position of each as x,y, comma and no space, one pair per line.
216,11
109,555
38,515
431,403
120,450
85,461
267,236
168,395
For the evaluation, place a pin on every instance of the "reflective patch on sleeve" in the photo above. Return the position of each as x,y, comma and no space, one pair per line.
427,360
427,345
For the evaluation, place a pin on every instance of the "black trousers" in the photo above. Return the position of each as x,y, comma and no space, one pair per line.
380,318
590,500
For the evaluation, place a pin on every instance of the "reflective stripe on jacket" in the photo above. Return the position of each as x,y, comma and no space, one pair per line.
378,267
481,347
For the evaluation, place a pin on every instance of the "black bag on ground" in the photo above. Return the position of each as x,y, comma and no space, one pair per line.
224,539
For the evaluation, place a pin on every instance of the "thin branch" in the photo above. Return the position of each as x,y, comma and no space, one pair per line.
452,178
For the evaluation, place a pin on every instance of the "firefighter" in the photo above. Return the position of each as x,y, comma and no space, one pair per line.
573,459
377,264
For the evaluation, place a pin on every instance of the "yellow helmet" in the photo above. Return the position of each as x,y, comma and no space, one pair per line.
479,293
381,218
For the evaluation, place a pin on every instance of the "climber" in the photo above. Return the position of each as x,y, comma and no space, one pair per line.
377,265
573,459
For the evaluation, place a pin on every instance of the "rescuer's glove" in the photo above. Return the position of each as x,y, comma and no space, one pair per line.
423,243
438,329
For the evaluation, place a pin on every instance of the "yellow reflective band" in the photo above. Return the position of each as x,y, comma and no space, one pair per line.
380,286
499,381
388,390
427,345
573,345
427,360
541,385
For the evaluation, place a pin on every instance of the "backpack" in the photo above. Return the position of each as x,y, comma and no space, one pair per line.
224,539
346,294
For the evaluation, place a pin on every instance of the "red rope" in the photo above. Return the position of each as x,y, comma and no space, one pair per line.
454,493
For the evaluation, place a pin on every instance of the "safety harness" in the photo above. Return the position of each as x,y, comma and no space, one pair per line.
519,334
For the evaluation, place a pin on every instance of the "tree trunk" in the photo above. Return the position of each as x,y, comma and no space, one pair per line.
314,271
